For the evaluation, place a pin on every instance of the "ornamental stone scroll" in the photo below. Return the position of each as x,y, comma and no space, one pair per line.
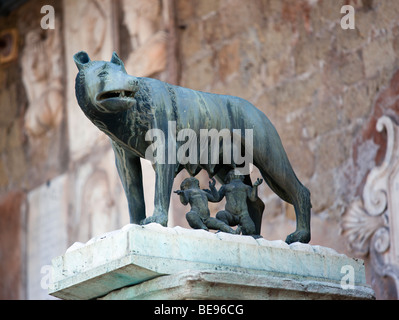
372,224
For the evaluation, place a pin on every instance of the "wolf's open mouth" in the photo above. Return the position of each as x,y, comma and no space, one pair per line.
116,94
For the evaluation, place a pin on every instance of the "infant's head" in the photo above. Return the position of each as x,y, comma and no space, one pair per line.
232,175
189,183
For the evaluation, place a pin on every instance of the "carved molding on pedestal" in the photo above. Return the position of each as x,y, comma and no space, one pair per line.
372,224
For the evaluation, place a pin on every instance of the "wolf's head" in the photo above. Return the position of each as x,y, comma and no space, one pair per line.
104,86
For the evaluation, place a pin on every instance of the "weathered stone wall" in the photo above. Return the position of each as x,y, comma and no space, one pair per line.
322,87
316,82
33,144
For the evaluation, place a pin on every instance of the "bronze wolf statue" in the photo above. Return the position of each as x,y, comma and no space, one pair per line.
127,107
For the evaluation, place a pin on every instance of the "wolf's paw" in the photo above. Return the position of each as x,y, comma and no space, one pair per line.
162,219
298,236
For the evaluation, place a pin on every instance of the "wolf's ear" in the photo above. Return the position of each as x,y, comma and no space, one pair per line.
81,59
116,60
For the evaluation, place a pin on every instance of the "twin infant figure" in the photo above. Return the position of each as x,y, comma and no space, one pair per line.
236,210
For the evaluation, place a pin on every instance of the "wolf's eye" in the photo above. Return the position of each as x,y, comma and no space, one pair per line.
103,74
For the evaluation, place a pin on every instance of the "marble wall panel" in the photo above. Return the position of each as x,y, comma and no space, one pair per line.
46,233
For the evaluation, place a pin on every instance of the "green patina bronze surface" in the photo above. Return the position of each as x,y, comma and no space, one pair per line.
199,217
126,107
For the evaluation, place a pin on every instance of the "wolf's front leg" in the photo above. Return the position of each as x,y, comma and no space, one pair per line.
164,176
129,169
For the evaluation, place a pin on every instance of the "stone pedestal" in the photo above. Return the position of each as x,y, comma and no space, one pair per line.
154,262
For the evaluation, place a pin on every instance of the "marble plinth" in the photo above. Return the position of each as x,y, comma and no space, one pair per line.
154,262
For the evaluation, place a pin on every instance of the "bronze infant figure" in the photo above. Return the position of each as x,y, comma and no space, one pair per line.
237,194
199,216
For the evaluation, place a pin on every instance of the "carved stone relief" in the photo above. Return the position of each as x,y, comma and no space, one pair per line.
40,126
371,224
42,78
